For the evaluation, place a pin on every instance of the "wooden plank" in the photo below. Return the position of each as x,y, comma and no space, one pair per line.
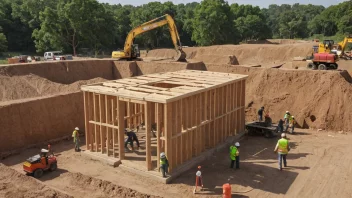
132,100
113,118
96,133
103,120
187,125
108,120
158,131
148,128
91,117
168,132
121,127
86,116
99,124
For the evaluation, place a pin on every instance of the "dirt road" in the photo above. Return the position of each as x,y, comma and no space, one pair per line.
318,166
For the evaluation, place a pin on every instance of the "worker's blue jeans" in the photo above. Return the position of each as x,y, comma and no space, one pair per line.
260,117
287,125
164,169
292,128
76,144
282,157
280,128
237,161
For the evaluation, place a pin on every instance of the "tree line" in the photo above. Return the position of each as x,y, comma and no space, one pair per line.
69,25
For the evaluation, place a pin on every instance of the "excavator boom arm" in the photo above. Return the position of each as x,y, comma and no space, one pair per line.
150,25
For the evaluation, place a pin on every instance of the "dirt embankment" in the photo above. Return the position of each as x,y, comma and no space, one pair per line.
246,54
14,184
30,86
80,185
317,99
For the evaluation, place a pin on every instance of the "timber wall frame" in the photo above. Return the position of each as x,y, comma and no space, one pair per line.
192,110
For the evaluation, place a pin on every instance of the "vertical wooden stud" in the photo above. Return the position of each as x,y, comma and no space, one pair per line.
121,124
148,114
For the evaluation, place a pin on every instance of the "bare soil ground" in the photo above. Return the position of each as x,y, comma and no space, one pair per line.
317,167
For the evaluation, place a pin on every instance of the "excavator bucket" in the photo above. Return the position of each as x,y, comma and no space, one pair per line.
181,56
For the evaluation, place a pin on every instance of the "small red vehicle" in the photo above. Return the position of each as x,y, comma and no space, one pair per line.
36,165
323,61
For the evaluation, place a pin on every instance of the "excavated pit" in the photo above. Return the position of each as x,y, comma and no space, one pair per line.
40,102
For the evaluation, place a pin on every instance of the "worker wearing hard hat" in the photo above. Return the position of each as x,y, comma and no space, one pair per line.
292,123
282,147
164,164
75,136
287,120
235,155
199,180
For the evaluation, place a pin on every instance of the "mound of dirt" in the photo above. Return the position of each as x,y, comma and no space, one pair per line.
14,184
246,54
317,99
86,186
30,86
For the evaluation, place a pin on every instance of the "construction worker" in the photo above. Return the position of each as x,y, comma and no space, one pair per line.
280,126
76,140
292,122
282,148
131,137
164,164
260,114
199,180
234,155
287,120
44,156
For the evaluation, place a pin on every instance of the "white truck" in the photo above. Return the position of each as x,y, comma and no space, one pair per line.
56,55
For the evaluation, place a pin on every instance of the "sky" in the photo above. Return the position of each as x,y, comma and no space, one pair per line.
260,3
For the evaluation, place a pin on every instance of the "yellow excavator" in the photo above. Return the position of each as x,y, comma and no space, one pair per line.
328,46
340,48
131,51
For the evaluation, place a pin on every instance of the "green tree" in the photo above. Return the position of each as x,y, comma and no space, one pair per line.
3,43
159,37
250,22
18,34
73,23
213,23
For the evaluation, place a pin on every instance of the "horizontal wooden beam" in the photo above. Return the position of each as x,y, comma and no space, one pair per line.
204,123
103,124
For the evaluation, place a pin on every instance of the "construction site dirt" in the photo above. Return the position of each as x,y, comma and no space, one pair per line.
314,162
41,103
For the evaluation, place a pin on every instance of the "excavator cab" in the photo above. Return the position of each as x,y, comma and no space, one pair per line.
135,51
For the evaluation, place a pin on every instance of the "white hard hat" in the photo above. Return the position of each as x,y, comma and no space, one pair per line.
237,144
44,151
162,155
77,128
287,112
198,173
293,116
283,135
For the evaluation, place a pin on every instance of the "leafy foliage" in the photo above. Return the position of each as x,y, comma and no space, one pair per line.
41,25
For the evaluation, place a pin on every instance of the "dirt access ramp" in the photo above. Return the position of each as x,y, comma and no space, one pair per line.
247,54
317,99
14,184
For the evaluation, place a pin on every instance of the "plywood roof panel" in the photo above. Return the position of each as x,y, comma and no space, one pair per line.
149,87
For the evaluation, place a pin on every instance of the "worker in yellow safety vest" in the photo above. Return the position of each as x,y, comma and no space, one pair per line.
75,136
292,123
235,155
164,164
282,147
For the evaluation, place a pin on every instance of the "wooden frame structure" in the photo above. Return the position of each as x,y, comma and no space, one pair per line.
193,111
